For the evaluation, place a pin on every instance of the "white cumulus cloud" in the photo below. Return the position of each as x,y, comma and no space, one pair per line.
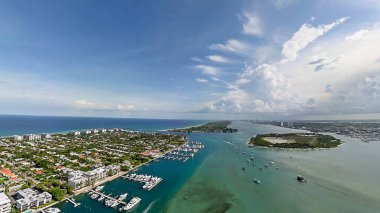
304,36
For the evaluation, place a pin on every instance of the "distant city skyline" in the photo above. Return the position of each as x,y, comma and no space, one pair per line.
217,59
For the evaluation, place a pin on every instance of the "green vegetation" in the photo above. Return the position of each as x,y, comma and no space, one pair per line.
43,164
296,140
215,126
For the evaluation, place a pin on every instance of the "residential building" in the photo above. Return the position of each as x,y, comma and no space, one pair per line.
8,173
17,137
86,132
45,136
32,137
95,174
29,198
75,133
5,204
2,188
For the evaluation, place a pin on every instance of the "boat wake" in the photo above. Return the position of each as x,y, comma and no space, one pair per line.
230,143
149,206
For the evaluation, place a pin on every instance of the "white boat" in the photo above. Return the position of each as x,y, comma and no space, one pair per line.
99,188
132,203
94,196
101,198
123,196
52,210
114,203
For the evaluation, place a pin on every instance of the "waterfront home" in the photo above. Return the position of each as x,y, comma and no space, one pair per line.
5,203
29,198
95,174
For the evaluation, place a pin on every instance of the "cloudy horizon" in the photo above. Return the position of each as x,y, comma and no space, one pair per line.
279,59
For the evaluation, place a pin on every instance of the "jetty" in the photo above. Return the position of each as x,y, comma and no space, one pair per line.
73,202
108,197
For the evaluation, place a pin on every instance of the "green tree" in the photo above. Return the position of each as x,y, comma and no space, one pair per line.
57,193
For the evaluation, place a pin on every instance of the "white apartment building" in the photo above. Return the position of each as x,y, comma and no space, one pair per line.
5,204
32,137
28,198
17,137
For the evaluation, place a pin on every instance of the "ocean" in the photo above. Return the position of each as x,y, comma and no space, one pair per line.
343,179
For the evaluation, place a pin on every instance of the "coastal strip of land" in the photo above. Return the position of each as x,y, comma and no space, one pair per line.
295,140
214,126
60,166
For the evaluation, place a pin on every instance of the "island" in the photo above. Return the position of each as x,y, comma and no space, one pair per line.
214,126
295,140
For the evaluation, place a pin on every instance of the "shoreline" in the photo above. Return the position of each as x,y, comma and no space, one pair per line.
168,130
104,181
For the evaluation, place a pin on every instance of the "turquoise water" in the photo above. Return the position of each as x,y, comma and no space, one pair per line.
344,179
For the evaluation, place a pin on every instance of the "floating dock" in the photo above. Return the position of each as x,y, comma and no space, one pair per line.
73,202
109,197
149,181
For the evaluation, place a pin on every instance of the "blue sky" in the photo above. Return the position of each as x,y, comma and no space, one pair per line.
191,59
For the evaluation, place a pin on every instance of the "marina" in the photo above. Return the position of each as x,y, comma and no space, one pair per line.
149,181
184,152
109,198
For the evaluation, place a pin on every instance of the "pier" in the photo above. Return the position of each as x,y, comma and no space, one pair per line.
108,197
73,202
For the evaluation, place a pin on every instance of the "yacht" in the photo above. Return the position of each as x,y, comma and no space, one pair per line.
132,203
99,188
257,181
122,196
94,196
53,210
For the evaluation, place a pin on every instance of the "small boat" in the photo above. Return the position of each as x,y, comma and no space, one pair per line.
257,181
277,167
132,203
52,210
266,165
99,188
94,196
101,198
122,196
301,179
271,162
